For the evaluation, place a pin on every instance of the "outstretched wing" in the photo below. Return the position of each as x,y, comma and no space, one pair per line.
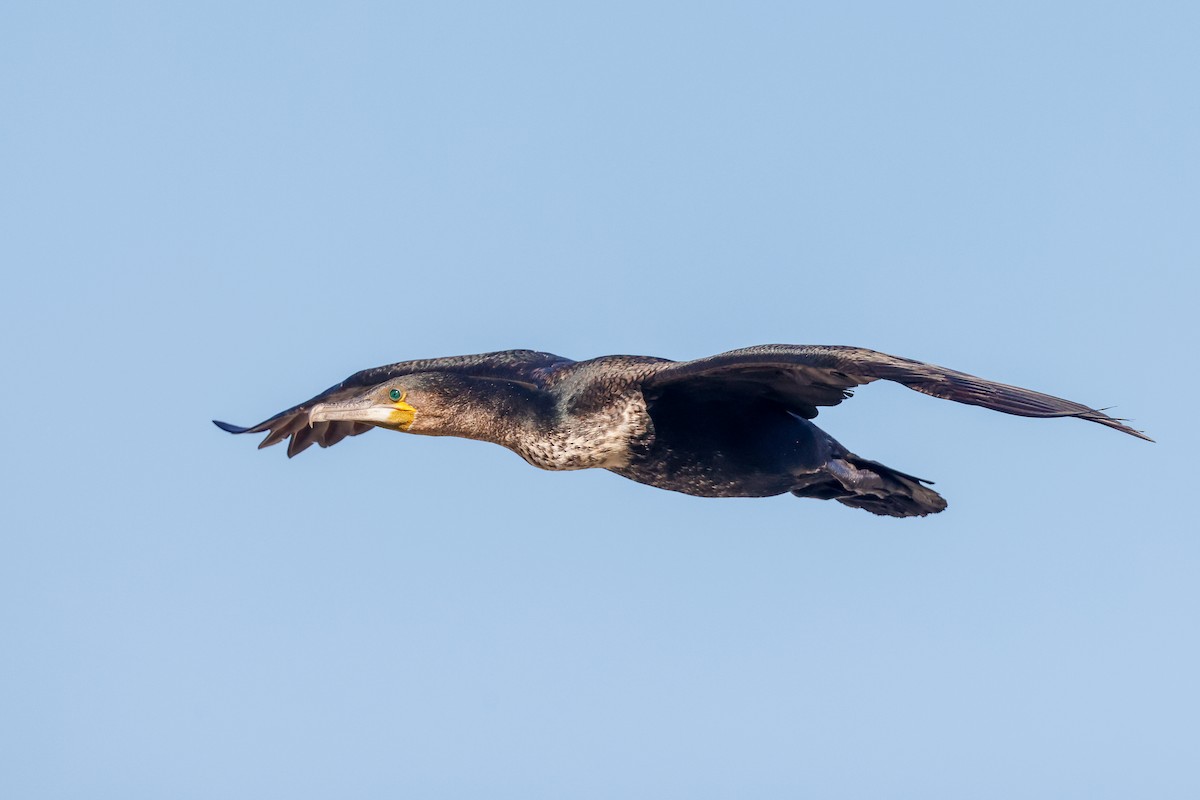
807,376
294,423
520,366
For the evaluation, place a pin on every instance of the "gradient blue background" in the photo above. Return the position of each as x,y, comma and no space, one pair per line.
217,211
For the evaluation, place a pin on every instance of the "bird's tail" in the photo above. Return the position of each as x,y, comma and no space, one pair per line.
866,484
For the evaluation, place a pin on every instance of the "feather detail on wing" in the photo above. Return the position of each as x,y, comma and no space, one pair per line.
808,376
294,423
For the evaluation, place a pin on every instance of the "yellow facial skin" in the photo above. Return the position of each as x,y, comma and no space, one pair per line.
401,415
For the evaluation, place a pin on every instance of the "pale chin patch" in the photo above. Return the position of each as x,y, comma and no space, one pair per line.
400,418
392,417
387,416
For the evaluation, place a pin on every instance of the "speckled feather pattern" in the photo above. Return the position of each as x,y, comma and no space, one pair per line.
599,412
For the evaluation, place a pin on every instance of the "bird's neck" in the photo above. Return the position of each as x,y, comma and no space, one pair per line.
497,411
545,429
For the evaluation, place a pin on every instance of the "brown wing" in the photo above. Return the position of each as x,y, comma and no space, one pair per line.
520,366
294,423
808,376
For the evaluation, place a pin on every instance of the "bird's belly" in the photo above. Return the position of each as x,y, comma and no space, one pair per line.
758,459
707,479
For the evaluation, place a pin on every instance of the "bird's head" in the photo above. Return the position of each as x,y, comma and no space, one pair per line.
433,403
412,403
386,405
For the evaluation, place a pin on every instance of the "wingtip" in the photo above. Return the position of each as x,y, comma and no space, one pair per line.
1116,423
228,428
1133,432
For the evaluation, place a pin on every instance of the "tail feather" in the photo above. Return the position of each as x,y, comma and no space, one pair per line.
861,483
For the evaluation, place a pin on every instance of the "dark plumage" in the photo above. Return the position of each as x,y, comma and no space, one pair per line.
731,425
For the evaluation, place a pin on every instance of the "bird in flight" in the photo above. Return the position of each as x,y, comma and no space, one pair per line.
735,424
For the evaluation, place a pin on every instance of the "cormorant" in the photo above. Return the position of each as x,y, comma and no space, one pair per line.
730,425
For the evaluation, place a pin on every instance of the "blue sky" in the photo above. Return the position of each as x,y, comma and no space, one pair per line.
218,210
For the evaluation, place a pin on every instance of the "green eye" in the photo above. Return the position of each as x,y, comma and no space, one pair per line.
395,394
